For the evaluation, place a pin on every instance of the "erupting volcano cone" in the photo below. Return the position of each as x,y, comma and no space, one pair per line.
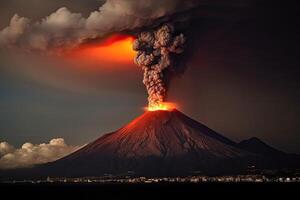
160,143
156,143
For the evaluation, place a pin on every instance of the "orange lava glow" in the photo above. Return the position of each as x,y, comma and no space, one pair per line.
163,106
114,49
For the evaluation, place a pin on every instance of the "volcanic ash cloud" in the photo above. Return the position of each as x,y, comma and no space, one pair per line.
156,51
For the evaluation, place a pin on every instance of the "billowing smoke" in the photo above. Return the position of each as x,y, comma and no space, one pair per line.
156,51
64,29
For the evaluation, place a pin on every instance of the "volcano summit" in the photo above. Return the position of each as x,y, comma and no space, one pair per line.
160,143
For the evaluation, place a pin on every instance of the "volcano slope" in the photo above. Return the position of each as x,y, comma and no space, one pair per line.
157,143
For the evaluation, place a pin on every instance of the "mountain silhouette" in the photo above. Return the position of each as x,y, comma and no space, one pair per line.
257,146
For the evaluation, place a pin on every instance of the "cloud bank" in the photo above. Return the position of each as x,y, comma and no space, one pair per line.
66,29
31,154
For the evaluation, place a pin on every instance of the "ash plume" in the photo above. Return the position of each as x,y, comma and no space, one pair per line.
156,51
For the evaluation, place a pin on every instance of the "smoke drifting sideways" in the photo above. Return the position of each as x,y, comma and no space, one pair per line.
156,51
66,30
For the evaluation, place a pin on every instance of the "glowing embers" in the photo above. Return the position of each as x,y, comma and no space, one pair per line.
162,106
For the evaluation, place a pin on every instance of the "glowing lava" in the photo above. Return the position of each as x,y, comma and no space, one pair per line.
162,106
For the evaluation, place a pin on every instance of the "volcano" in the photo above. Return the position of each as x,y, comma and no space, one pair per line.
156,143
162,143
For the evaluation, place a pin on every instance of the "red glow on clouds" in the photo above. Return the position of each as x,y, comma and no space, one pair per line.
114,49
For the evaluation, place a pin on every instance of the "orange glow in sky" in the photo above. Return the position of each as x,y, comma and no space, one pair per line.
114,49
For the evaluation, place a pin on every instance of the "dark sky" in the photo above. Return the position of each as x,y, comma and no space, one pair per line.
242,80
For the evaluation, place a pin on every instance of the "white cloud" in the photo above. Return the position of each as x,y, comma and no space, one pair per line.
16,28
30,154
6,148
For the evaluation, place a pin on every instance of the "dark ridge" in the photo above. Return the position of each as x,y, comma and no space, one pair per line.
257,146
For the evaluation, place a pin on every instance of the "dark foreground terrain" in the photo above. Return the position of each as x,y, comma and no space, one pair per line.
147,191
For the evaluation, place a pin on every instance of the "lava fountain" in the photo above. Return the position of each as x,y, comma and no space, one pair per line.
162,106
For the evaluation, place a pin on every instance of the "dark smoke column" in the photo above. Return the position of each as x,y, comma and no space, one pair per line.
156,51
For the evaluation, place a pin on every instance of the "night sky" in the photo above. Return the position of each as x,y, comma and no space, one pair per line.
241,79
